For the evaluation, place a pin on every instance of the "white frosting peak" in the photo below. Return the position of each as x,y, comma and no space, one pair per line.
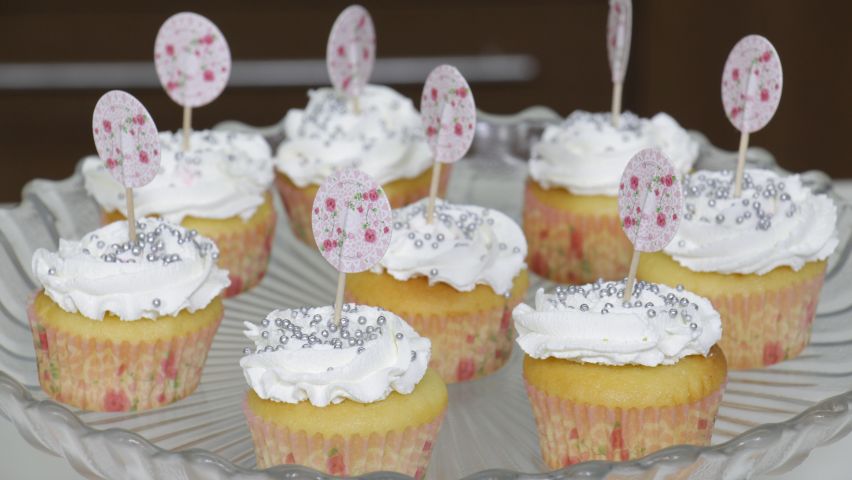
225,174
586,155
776,222
301,354
169,269
465,246
589,323
385,139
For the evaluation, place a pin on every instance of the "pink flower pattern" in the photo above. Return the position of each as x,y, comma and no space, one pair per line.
751,83
120,120
449,135
655,198
192,59
352,31
353,230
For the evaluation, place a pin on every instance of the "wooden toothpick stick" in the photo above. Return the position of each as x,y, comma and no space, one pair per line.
631,276
433,192
187,127
741,164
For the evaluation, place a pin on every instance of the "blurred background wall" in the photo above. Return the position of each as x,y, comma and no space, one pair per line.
58,57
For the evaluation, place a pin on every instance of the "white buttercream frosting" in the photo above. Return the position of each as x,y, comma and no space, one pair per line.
385,140
464,246
167,270
302,354
776,222
589,323
586,155
223,175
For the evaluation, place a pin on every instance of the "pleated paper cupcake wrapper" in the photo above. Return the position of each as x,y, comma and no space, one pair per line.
404,451
244,252
766,327
570,247
106,376
465,346
299,201
571,432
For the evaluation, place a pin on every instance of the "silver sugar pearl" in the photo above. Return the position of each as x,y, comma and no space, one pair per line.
673,312
411,236
418,243
440,237
693,326
679,287
51,271
362,320
380,320
433,272
684,302
720,218
584,307
246,351
264,334
652,313
283,339
399,336
156,302
265,322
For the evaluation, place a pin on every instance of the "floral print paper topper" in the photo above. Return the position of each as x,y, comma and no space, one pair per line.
126,139
751,83
650,201
192,58
351,51
448,113
351,220
619,28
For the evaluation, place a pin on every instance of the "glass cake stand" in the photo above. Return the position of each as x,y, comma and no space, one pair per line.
770,418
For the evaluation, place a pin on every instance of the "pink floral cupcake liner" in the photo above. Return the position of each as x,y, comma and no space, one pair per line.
766,327
575,248
571,432
299,201
465,346
245,253
405,451
107,376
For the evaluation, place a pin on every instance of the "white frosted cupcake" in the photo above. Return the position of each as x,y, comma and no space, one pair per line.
345,399
456,281
759,258
609,380
220,188
385,140
570,211
123,326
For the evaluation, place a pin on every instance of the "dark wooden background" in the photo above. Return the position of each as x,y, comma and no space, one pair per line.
678,51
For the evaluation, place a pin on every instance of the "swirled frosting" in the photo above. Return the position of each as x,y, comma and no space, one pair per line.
223,175
302,354
586,155
385,140
776,222
464,246
168,269
591,323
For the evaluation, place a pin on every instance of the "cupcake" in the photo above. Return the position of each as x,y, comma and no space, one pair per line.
456,281
220,188
760,259
345,400
613,380
385,140
570,203
123,326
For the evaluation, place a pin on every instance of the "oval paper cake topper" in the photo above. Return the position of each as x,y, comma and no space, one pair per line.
619,28
751,83
126,139
351,51
192,59
650,200
449,114
351,221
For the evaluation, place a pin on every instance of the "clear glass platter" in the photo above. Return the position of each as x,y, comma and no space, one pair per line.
770,419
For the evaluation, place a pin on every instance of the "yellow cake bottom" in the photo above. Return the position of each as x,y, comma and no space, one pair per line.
244,245
350,438
598,412
765,318
298,201
574,238
114,365
471,332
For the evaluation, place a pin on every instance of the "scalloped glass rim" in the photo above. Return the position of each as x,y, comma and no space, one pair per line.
763,448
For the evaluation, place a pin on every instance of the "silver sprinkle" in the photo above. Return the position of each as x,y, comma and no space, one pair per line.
679,287
652,313
693,326
440,237
156,302
283,339
418,243
265,322
411,236
399,336
380,320
362,320
51,271
584,307
360,350
413,355
720,218
264,334
433,272
246,351
684,302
